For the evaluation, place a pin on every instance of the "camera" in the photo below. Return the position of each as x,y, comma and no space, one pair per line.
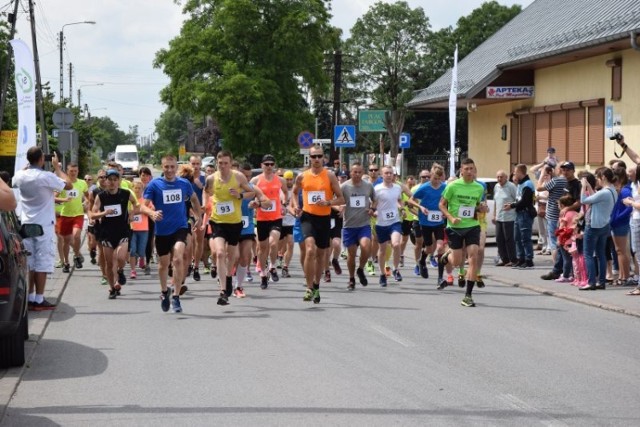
49,157
617,136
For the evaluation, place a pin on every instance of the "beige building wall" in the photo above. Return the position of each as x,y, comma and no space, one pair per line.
575,81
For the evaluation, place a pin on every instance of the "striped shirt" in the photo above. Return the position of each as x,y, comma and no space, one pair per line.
556,190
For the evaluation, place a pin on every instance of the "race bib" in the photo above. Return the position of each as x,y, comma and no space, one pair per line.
466,212
245,221
137,219
313,197
333,223
434,216
225,208
390,215
172,196
117,210
357,202
270,208
72,193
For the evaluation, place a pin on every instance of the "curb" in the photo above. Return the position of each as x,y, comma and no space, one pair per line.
568,297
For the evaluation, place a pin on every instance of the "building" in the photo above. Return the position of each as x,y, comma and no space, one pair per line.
562,74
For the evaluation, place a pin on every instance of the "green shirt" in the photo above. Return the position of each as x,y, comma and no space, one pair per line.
463,200
74,206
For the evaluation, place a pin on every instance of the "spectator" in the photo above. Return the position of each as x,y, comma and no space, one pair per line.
504,193
555,186
620,223
525,212
37,188
541,208
634,202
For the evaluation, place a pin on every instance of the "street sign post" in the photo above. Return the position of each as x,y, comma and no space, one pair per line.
63,118
322,141
344,136
405,140
305,139
371,121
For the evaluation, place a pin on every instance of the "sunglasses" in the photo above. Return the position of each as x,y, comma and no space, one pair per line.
269,164
102,177
425,177
316,156
373,170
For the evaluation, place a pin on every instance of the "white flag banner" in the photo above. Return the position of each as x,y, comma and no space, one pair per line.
453,102
26,97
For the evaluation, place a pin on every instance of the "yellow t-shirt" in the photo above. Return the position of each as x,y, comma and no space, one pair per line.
74,206
226,209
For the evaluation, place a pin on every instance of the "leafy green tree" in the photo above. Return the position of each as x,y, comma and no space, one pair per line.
244,62
170,127
390,42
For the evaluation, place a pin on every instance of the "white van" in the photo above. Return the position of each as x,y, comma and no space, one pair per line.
127,156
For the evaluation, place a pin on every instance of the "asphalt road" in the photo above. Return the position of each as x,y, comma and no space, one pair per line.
405,355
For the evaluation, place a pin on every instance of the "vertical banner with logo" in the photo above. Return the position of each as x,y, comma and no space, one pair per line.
26,94
453,100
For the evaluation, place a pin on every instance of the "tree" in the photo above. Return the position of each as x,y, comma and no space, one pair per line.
244,62
390,42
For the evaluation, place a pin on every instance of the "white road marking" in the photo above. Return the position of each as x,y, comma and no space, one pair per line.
392,336
544,418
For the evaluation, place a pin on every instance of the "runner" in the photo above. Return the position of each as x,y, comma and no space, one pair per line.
460,201
320,190
225,187
111,207
269,218
146,177
409,216
288,222
71,220
198,235
247,235
374,178
336,242
389,226
168,195
139,231
358,209
423,177
94,224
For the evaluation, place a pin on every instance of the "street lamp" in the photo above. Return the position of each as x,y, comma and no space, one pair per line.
61,57
79,96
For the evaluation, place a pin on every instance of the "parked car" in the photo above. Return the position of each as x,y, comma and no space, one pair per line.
13,292
491,228
207,161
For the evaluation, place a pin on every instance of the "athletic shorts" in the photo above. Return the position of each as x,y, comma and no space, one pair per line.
228,232
384,232
164,244
42,250
286,231
318,227
352,236
244,237
417,229
266,227
407,227
114,241
336,230
429,232
68,223
459,237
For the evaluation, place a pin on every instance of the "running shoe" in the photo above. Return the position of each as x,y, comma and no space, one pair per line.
81,258
59,264
336,266
416,270
316,296
43,306
104,281
274,275
92,255
343,254
442,284
175,304
279,262
461,281
122,279
401,260
467,301
308,295
206,270
223,299
424,271
387,271
433,261
327,276
112,294
239,293
371,269
66,268
249,277
196,275
147,270
480,282
285,272
361,277
352,284
450,280
164,301
77,261
264,282
397,276
383,281
133,275
214,272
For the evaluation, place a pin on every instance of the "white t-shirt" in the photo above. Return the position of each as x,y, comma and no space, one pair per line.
635,193
387,206
36,195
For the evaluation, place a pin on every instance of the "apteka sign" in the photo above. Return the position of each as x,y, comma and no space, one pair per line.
510,91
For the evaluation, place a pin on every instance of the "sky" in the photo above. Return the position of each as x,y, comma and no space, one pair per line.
112,59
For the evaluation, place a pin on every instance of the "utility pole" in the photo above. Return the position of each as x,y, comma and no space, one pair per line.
337,84
36,59
5,80
70,84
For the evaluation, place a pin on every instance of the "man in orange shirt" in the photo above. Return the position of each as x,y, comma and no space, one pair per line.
320,190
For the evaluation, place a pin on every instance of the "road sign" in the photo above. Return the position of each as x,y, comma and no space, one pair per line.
405,140
63,118
305,151
371,121
307,161
322,141
344,136
608,126
305,139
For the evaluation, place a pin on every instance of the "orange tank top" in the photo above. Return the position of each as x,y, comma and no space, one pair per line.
271,190
314,189
140,221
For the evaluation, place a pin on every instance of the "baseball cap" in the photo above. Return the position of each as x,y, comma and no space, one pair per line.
551,150
568,165
268,158
113,172
288,175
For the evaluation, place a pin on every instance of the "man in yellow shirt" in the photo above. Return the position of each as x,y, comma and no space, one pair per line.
71,220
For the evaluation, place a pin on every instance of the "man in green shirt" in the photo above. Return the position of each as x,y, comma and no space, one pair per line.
460,204
71,220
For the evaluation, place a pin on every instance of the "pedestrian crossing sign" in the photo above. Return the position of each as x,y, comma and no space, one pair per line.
344,136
